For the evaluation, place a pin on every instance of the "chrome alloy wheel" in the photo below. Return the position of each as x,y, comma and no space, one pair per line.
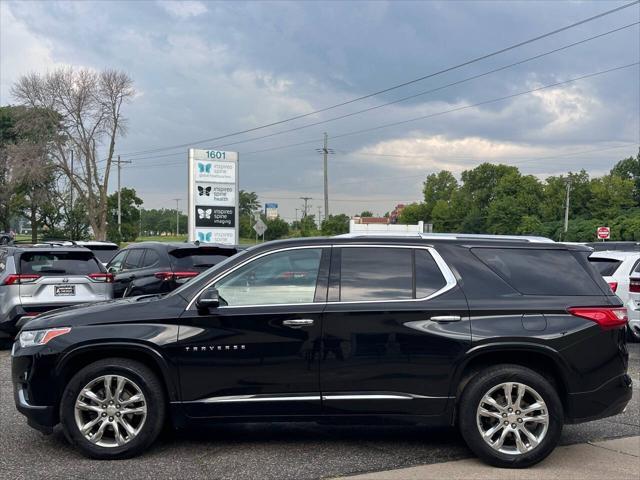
512,418
110,411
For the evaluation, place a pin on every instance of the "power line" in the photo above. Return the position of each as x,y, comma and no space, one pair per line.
426,92
457,109
397,86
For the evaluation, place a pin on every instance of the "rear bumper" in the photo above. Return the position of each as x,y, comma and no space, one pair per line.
633,311
609,399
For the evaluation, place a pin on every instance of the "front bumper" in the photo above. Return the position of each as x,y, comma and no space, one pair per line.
34,393
609,399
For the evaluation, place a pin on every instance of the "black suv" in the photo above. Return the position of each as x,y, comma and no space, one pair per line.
159,267
506,339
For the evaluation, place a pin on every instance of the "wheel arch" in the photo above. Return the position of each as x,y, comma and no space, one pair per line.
74,360
541,359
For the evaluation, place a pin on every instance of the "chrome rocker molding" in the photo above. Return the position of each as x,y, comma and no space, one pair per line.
306,397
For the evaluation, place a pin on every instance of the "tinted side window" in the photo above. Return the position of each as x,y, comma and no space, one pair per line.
429,278
605,266
151,259
115,265
376,274
539,272
134,259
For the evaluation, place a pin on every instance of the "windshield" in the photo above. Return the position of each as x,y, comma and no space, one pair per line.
205,276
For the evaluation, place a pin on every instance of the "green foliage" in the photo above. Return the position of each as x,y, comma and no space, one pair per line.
305,227
337,224
130,216
276,228
365,213
499,199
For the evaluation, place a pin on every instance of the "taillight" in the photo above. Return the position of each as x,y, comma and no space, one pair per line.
101,277
20,279
613,286
634,285
166,276
606,317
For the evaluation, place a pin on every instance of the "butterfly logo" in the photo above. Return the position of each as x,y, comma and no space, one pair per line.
204,167
204,213
204,237
204,191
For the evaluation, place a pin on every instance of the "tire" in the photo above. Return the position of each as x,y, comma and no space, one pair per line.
510,454
138,379
631,336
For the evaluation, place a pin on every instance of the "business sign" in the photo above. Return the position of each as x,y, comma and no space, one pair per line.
213,196
271,210
604,233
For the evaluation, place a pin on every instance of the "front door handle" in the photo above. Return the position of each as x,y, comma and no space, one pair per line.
446,318
298,322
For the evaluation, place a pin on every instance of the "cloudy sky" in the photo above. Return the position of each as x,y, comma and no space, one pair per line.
206,69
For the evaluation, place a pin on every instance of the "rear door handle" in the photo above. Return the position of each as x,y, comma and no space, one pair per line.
298,322
446,318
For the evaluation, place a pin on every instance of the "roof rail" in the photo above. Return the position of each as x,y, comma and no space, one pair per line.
453,236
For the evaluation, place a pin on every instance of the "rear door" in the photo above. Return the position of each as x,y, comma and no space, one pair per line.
61,278
395,323
129,270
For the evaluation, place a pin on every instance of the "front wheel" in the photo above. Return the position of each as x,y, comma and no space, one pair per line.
510,416
113,408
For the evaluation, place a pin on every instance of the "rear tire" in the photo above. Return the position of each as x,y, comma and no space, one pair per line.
122,420
507,433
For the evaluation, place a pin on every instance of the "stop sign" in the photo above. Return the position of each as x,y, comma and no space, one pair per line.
604,233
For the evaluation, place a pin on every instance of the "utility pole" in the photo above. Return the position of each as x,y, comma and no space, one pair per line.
319,222
119,163
566,209
71,214
325,150
177,217
306,200
297,210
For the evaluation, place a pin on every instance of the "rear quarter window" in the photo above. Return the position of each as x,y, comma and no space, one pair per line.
59,263
539,271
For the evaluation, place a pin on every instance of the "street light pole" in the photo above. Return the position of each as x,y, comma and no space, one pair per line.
177,217
119,163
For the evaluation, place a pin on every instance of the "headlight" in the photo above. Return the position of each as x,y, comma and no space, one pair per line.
31,338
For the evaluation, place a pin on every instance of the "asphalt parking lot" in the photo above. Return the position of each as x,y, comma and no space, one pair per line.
269,451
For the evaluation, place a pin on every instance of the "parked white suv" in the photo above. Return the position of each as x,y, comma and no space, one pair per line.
621,270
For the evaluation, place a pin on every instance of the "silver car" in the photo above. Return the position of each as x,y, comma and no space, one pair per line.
39,278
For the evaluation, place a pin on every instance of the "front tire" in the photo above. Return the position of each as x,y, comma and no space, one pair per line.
510,416
113,408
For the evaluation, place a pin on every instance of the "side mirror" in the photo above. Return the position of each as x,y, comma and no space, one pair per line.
113,270
208,299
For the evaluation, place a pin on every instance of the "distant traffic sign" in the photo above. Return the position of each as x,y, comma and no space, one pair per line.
260,227
604,233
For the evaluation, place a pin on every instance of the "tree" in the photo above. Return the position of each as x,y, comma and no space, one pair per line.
276,228
336,224
88,107
610,195
415,212
438,186
365,213
629,168
516,198
27,174
130,208
248,202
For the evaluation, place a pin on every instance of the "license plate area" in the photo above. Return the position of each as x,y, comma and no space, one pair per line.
64,290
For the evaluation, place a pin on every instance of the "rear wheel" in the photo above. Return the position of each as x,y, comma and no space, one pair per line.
114,408
632,336
510,416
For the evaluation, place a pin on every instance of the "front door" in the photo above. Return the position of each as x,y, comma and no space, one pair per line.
258,352
395,323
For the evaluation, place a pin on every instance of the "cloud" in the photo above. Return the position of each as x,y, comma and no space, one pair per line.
21,51
183,9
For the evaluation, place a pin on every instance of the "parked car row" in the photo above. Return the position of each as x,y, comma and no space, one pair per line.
506,338
39,278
